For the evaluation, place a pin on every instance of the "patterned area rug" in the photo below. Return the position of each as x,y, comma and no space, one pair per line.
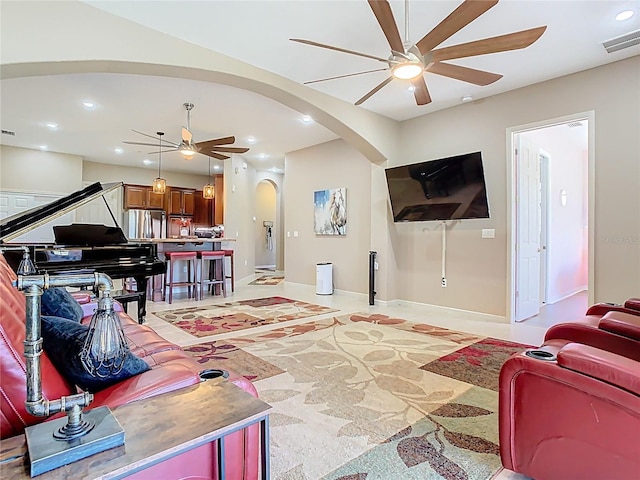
372,397
267,280
233,316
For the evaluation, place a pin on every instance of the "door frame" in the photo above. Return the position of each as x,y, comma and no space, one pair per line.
590,117
544,159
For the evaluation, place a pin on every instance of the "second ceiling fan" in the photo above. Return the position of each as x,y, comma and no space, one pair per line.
409,61
213,148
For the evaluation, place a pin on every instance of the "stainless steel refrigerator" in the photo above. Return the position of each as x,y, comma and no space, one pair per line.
145,224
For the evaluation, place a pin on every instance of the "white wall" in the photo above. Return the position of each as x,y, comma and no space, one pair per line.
26,170
329,165
102,172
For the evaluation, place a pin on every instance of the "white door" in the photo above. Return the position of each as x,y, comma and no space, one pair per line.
527,230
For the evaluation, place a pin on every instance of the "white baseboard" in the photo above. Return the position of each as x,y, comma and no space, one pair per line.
458,312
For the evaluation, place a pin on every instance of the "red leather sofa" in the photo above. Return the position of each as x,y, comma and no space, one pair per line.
171,369
570,409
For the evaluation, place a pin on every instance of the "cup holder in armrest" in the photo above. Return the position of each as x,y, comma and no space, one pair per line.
541,355
210,373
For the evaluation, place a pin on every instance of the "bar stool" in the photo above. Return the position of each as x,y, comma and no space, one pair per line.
229,253
214,257
176,258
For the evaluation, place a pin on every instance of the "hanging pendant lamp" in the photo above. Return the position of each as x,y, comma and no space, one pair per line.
159,184
208,191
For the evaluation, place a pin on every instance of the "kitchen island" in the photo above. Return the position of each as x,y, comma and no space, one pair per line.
180,244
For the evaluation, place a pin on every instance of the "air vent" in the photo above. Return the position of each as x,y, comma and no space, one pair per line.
8,132
574,124
624,41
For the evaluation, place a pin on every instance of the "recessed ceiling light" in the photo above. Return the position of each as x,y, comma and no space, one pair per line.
251,139
412,88
88,104
52,125
43,148
467,98
307,119
627,14
146,161
119,150
216,167
262,155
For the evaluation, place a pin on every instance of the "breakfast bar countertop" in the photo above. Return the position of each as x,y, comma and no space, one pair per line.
183,240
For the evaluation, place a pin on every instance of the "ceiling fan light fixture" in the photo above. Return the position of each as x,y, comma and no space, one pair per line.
407,70
187,150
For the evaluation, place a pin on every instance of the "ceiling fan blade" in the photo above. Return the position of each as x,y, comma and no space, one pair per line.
384,15
338,49
149,144
230,149
155,138
374,91
186,136
215,155
465,74
344,76
164,151
462,16
216,141
421,91
501,43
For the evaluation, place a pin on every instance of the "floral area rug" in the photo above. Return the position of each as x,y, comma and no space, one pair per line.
229,317
267,280
371,397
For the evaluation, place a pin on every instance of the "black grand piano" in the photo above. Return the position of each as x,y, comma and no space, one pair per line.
83,247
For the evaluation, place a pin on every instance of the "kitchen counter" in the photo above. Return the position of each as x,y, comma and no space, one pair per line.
183,240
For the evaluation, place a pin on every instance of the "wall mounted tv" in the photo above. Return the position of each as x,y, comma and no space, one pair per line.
450,188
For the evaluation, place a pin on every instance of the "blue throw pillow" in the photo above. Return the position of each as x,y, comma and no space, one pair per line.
62,340
57,302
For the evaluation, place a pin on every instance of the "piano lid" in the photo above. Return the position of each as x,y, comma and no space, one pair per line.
16,225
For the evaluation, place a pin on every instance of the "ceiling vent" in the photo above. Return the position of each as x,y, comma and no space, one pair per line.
624,41
8,132
574,124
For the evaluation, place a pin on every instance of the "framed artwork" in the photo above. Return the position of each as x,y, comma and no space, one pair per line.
330,212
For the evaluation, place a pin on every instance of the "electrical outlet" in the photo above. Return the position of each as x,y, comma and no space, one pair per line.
375,265
246,262
444,282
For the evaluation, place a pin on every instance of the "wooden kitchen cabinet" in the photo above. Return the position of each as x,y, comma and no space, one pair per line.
141,196
204,213
180,201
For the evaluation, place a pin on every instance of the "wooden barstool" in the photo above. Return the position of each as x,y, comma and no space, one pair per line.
216,275
191,281
229,253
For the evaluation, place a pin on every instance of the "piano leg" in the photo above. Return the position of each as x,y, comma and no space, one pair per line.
141,286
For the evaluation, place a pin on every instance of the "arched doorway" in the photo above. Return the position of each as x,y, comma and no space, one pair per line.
266,239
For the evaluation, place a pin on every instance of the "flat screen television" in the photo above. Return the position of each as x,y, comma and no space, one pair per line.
451,188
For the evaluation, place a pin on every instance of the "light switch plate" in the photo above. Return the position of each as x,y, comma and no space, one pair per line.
488,233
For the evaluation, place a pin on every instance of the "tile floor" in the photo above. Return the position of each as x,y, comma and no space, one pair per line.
529,332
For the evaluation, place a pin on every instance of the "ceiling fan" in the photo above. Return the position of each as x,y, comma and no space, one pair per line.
188,148
409,61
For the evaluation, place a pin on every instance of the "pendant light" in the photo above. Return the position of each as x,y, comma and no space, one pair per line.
208,191
159,184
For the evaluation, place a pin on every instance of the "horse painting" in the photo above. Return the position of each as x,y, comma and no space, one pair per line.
330,212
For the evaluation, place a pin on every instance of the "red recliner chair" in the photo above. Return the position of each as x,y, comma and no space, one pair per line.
570,411
615,328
